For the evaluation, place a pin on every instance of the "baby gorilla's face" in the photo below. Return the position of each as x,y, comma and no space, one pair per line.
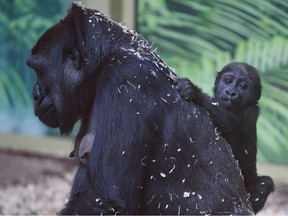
237,86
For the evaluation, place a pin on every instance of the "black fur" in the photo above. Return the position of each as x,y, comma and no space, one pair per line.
234,111
153,153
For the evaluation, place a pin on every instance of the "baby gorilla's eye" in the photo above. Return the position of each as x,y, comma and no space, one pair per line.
228,80
243,86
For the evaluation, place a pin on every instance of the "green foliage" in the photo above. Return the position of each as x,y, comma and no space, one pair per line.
199,37
21,24
13,93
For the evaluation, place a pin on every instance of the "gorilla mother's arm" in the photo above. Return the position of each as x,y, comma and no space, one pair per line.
121,181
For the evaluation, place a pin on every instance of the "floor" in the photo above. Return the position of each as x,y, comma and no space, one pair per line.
36,175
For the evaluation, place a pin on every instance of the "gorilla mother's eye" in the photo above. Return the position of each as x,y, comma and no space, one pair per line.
37,72
73,54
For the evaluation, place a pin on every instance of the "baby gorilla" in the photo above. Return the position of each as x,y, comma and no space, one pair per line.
234,111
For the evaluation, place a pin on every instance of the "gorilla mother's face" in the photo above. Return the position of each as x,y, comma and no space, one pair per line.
57,92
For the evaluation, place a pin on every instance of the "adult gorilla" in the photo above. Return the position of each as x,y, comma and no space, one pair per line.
152,152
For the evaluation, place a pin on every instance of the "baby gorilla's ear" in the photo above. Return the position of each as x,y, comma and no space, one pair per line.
258,95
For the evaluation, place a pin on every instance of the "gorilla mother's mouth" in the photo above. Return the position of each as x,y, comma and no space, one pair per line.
49,117
44,115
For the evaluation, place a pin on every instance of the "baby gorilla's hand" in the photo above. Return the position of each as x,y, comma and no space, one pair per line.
187,90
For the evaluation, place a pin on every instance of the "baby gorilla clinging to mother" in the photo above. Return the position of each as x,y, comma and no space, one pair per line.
234,111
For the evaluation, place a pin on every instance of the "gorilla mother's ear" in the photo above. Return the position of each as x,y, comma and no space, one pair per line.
73,54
